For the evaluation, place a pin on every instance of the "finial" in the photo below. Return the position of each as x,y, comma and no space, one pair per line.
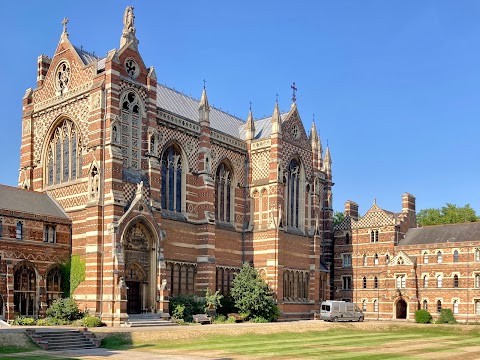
250,106
374,201
204,82
276,98
294,89
64,23
313,117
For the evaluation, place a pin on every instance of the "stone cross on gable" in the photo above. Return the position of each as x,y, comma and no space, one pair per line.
204,82
294,89
64,23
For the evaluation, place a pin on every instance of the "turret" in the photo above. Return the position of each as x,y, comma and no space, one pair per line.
327,165
276,120
204,109
250,127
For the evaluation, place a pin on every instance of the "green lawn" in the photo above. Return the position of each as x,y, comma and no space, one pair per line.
394,343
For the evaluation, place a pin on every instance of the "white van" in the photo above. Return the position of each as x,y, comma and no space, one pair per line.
331,310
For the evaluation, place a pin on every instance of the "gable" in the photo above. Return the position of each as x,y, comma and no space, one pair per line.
293,130
402,259
376,217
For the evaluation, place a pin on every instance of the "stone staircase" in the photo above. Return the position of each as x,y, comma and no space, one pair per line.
63,339
142,320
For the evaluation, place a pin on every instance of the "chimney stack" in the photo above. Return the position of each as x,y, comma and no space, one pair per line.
351,209
408,203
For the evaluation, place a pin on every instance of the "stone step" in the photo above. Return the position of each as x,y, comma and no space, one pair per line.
63,340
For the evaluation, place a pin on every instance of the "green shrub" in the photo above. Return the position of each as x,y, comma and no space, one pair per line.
220,319
24,321
51,321
231,320
42,322
259,319
191,305
178,312
446,317
91,321
227,306
64,309
212,300
423,317
253,296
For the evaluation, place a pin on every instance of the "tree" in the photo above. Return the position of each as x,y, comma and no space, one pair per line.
338,217
449,214
252,295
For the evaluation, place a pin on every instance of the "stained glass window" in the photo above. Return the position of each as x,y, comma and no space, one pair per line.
172,174
223,191
131,127
63,161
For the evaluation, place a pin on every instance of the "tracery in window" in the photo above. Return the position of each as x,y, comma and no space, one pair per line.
172,179
25,286
54,284
63,160
224,192
131,130
293,193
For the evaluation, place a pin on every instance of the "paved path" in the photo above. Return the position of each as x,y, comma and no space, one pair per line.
95,354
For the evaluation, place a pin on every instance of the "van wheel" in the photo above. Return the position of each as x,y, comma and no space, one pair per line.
360,319
335,319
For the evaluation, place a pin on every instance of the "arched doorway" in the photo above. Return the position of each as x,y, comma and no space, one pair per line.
25,290
135,280
401,309
141,266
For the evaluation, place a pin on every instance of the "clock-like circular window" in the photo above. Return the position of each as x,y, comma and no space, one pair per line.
62,76
132,68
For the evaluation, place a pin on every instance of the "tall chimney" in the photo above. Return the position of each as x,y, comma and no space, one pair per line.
351,209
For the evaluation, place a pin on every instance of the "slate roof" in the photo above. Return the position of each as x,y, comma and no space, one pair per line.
439,234
31,202
263,127
187,107
89,58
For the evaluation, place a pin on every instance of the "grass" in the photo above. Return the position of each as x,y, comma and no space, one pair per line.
336,344
34,357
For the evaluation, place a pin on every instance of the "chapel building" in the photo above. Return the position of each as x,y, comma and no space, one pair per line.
390,267
168,195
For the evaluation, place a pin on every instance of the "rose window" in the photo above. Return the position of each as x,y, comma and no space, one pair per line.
63,76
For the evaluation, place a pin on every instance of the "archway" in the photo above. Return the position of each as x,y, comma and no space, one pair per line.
135,281
141,268
401,309
25,290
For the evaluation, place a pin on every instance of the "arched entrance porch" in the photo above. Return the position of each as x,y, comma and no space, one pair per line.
141,267
401,309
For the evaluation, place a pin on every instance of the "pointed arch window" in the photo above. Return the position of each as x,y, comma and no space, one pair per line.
131,130
364,258
172,179
347,239
53,285
455,281
375,259
63,161
25,286
425,305
455,256
439,257
293,193
425,281
364,282
375,282
425,258
439,306
224,193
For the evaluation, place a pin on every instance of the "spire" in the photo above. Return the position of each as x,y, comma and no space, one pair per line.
250,126
314,135
204,108
276,120
328,162
128,34
204,101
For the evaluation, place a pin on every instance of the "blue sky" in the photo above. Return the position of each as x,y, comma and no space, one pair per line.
394,85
